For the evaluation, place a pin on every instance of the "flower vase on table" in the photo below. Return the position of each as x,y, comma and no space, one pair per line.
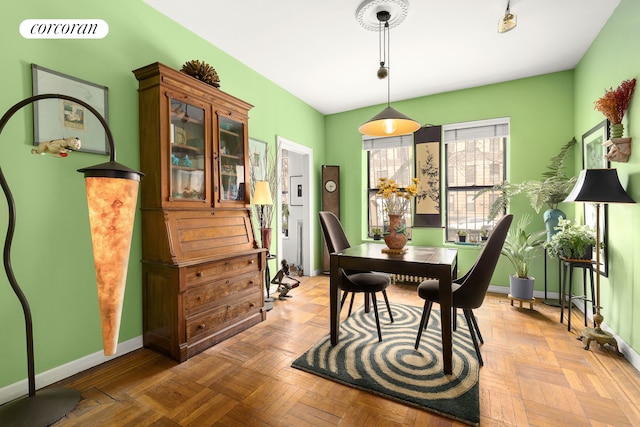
396,202
396,236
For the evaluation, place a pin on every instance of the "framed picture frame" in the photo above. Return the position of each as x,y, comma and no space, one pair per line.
257,159
593,157
296,187
428,203
59,118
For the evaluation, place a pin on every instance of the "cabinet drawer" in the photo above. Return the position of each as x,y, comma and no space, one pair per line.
201,297
221,317
230,267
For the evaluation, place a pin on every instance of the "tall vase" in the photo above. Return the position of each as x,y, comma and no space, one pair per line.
266,238
551,219
616,130
394,240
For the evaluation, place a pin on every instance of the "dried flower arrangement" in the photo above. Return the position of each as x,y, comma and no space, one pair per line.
202,71
614,105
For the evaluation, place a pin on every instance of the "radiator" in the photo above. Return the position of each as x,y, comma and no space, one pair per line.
405,278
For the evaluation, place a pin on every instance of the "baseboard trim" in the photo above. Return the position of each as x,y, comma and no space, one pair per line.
21,388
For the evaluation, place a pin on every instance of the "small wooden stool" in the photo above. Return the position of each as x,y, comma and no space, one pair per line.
522,301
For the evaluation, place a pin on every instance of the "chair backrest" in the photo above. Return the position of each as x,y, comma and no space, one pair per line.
476,282
333,232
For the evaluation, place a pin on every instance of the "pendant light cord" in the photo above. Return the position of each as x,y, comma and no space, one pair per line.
388,57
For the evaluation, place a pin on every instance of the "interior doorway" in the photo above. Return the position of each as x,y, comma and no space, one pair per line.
296,246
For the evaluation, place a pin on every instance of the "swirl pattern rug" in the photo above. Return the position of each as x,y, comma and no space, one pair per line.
394,369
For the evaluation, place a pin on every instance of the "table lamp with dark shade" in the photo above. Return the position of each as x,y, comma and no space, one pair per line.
598,186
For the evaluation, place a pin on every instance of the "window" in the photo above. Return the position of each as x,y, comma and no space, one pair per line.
475,159
392,158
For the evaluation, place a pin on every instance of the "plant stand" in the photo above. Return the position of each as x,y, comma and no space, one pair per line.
522,301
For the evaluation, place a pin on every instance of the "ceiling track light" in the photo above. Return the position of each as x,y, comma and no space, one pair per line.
389,122
508,22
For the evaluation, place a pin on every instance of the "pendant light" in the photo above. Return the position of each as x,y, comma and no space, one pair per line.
389,122
508,21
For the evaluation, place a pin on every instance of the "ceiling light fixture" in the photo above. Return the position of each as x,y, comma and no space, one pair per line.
508,21
389,122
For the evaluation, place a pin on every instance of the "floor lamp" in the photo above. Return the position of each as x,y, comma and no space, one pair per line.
262,198
598,186
112,192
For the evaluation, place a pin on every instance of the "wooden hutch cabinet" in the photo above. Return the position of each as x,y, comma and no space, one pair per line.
202,268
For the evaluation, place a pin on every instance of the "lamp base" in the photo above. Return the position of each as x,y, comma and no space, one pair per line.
43,409
600,336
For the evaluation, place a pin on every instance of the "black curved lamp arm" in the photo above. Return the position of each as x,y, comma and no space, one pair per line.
110,169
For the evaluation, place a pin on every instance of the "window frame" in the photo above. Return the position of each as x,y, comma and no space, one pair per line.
448,189
372,191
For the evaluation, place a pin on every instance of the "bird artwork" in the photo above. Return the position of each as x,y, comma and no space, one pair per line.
58,147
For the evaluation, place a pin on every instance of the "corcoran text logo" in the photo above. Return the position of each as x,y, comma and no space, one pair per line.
64,29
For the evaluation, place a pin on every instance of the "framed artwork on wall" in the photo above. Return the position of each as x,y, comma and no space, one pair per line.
295,190
428,203
593,157
257,159
58,118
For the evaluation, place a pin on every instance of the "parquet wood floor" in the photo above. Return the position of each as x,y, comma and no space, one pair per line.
536,374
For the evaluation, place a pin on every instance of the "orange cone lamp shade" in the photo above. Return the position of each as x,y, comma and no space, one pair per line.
112,207
112,191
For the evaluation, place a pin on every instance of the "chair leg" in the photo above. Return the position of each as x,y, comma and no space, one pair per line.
454,318
467,315
426,311
375,310
344,298
353,294
386,300
475,326
428,316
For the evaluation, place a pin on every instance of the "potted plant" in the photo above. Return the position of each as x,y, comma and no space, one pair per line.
520,248
572,241
483,234
377,233
548,192
462,235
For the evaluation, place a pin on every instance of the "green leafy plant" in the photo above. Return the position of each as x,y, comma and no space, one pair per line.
521,246
462,233
549,192
571,241
376,231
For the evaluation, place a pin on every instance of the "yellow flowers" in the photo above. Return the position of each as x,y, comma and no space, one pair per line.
395,199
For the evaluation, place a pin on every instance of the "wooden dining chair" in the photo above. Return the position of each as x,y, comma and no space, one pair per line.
468,291
365,282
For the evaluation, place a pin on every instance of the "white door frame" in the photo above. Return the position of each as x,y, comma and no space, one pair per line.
308,260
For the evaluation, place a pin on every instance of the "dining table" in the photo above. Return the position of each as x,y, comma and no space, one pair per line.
420,261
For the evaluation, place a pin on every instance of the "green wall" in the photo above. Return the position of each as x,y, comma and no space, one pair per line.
613,57
51,253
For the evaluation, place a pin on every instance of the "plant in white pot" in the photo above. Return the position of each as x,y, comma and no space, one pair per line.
520,248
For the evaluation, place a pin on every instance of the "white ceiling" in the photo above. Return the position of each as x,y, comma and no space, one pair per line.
317,50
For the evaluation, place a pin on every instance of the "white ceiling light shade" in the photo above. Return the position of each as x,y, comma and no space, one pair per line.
508,22
389,122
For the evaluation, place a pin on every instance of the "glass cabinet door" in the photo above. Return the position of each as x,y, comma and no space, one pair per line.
231,160
187,151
